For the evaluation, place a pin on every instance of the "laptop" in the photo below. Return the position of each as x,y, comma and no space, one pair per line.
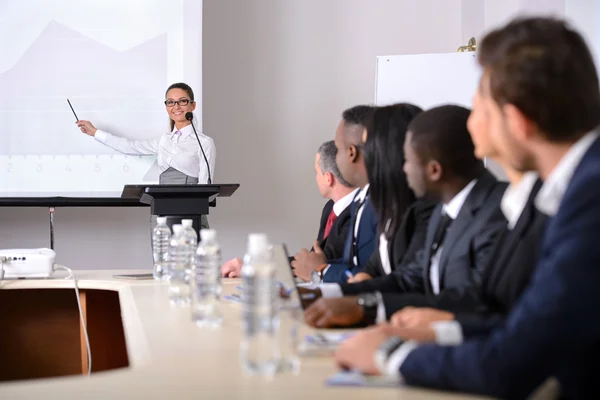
285,274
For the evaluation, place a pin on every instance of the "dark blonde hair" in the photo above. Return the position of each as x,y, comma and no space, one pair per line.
543,67
186,88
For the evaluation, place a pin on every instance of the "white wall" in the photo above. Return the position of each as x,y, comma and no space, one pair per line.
276,76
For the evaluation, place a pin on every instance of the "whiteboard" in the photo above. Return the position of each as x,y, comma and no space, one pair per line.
427,80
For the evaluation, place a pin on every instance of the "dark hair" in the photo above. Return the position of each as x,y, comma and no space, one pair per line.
545,69
441,134
384,160
328,152
186,88
358,115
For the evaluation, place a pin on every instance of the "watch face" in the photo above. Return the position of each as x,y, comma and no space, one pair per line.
368,300
315,277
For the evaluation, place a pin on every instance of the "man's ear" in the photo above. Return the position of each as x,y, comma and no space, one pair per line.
433,171
522,127
329,179
353,153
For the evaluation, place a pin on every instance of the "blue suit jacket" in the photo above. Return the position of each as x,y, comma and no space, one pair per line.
554,329
365,244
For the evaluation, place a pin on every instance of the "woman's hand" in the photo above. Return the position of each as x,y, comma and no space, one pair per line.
86,127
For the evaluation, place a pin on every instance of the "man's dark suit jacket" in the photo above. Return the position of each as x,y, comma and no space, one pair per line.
466,249
409,238
553,330
333,244
365,244
508,272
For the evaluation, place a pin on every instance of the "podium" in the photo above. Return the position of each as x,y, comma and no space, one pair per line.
179,202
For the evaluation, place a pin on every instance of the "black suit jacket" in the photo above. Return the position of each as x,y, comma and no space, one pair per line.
508,272
333,245
409,238
553,329
467,246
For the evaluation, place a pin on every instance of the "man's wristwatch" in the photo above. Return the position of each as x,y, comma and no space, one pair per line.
316,276
385,350
369,303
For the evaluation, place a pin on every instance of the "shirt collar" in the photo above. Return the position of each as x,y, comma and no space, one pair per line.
362,195
340,205
185,131
452,208
553,190
515,197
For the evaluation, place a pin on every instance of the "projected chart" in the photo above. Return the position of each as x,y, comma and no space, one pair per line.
114,61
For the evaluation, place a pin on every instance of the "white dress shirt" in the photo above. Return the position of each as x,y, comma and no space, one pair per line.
343,203
384,252
547,201
515,198
178,149
451,209
552,191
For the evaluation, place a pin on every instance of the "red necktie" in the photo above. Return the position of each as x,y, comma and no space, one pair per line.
329,224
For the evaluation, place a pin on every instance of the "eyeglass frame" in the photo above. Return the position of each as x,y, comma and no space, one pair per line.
179,102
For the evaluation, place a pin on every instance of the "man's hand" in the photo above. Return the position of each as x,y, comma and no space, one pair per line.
424,334
305,262
412,317
232,268
309,296
327,313
358,352
361,276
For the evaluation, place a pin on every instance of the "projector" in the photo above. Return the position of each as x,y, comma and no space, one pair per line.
27,263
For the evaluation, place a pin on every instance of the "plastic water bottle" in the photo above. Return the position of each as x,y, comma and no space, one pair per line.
259,347
181,253
206,281
189,230
161,236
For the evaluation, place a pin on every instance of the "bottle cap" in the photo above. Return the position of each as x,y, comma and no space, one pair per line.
161,220
187,223
208,234
257,242
177,228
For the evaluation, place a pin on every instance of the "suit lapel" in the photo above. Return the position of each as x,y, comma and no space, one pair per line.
512,237
465,216
361,222
350,235
434,221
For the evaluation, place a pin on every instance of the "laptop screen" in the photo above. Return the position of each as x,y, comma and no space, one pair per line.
284,273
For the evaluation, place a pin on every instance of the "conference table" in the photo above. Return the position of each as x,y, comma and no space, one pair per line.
142,347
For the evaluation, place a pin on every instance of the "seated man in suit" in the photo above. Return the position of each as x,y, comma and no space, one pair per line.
539,92
335,217
361,238
511,263
440,165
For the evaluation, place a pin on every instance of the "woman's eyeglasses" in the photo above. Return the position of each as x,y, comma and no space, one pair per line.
182,102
